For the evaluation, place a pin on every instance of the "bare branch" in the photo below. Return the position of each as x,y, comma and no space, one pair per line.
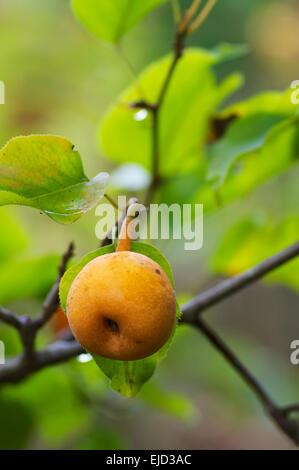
52,301
111,201
291,408
155,109
202,16
17,369
183,25
10,318
191,314
179,44
28,327
202,302
280,415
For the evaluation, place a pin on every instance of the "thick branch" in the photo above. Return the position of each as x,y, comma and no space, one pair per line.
27,327
30,361
194,307
280,415
17,369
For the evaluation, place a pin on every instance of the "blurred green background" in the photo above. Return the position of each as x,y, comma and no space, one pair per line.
60,79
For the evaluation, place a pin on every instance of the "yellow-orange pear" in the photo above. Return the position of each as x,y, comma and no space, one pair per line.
122,306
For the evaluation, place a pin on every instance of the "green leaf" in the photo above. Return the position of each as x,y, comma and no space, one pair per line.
243,136
226,51
274,102
278,152
180,189
110,20
27,279
256,121
45,172
254,239
125,377
261,139
191,98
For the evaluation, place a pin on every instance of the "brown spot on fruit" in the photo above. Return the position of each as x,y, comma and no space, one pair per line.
112,325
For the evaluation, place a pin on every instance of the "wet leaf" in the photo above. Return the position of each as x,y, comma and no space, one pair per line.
45,172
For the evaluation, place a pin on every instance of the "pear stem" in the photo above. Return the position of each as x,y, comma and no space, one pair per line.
125,239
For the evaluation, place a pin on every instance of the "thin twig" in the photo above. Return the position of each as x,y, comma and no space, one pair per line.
279,415
10,318
178,52
112,202
179,44
130,68
27,327
30,360
181,31
194,307
291,408
202,16
155,109
52,301
189,15
108,238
